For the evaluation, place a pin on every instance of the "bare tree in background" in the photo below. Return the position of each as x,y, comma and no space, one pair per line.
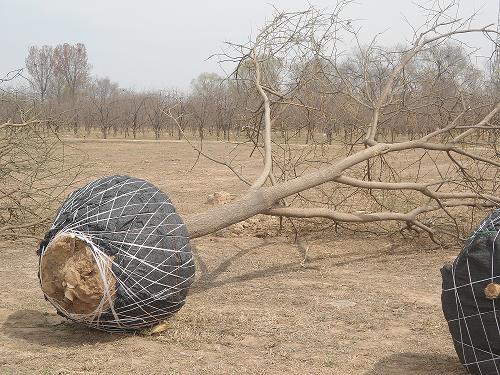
134,114
155,107
179,111
203,101
72,68
104,96
71,63
40,65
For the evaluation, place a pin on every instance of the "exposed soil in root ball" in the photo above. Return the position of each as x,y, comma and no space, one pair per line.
70,275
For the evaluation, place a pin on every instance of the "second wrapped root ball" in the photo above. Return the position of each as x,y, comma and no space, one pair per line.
470,299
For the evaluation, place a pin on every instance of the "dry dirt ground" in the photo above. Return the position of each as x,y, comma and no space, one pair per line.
357,305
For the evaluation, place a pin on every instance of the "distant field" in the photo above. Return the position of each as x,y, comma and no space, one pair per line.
354,304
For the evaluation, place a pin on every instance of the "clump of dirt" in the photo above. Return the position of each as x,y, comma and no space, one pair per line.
70,275
219,197
256,226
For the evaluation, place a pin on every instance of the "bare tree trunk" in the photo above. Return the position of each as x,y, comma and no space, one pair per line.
261,199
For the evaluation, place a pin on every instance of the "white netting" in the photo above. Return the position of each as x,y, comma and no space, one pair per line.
139,248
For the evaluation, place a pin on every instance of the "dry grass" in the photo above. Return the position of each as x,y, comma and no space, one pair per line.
358,304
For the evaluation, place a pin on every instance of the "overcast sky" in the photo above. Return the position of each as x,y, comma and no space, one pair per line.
164,44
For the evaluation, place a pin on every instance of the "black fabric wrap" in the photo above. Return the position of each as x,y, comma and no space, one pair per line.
474,320
135,222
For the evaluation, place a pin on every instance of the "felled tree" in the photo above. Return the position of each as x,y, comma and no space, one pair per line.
450,161
127,231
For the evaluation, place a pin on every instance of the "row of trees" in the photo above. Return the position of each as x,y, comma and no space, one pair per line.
324,106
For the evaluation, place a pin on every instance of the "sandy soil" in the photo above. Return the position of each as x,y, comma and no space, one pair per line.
354,304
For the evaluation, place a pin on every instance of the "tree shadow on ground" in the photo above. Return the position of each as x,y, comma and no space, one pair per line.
417,364
52,330
210,279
